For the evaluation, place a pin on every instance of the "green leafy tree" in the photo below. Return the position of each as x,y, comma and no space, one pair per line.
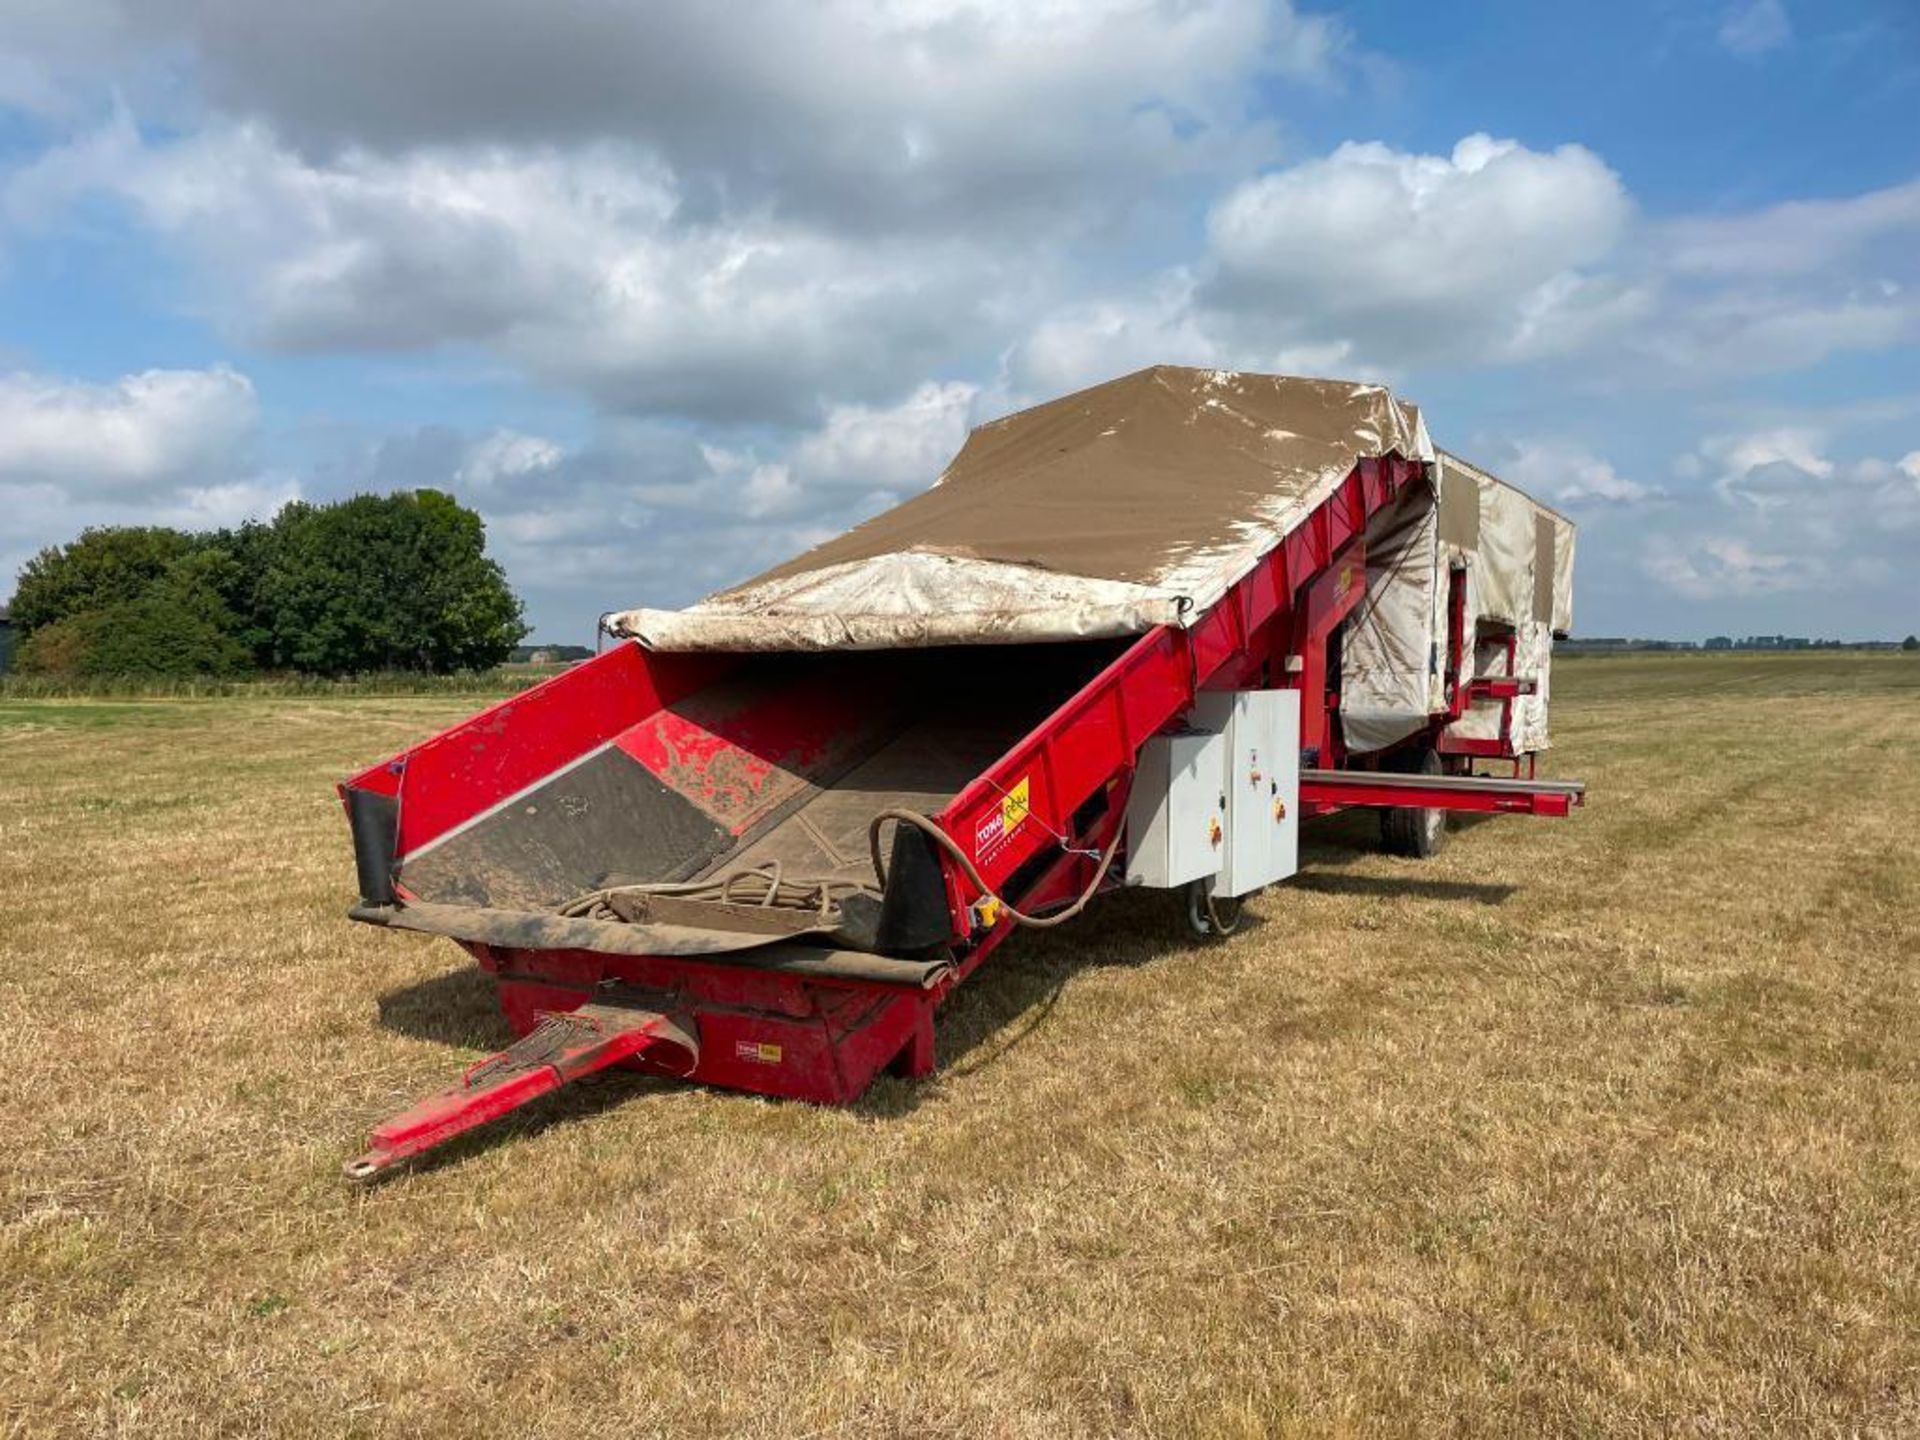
1912,642
103,567
177,623
178,629
386,582
56,649
249,552
377,582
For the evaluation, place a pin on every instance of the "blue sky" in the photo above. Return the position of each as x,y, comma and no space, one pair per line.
668,292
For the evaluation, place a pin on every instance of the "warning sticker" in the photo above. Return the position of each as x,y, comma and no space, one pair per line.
756,1052
996,826
1014,806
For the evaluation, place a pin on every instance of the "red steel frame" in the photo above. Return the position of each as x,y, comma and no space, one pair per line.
1464,689
822,1039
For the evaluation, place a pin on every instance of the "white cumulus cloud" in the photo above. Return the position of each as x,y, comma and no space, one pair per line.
162,447
580,266
900,447
855,113
159,428
1720,567
506,456
1785,476
1751,28
1486,245
1782,515
1570,474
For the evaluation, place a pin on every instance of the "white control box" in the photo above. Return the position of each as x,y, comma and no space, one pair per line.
1222,798
1263,791
1176,812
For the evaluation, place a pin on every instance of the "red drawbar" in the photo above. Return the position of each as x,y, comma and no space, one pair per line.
562,1046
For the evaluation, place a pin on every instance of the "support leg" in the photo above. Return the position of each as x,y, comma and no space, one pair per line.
916,1061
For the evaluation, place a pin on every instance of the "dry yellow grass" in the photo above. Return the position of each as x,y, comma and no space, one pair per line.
1608,1126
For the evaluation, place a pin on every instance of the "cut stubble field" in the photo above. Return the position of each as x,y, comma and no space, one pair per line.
1603,1126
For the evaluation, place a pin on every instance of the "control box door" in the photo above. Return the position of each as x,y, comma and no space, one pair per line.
1262,791
1176,814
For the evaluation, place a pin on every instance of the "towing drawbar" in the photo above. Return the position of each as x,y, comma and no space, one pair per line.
562,1046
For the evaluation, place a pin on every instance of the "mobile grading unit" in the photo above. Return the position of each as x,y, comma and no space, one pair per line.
1131,636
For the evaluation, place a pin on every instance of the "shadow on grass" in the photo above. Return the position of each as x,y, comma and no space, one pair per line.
1385,887
1340,839
1003,1004
1351,835
1473,820
461,1008
1015,993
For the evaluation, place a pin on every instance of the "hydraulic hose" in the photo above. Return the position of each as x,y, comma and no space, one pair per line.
765,885
965,861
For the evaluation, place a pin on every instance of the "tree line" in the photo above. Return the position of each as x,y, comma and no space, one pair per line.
377,582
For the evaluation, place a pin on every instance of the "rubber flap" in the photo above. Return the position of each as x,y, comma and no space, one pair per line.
374,820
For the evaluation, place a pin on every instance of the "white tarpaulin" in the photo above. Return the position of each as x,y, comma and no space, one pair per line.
906,600
1517,559
1519,577
1141,502
1389,671
1106,512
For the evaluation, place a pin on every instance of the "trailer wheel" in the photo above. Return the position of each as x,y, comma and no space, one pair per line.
1418,833
1211,916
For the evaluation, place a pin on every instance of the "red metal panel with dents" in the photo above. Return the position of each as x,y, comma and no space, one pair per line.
729,745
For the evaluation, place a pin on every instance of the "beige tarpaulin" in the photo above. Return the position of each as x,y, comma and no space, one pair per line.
1139,503
1389,663
1519,574
1518,560
1135,503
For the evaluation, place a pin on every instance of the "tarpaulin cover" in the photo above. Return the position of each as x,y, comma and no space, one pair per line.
1135,503
1519,575
1390,678
1518,559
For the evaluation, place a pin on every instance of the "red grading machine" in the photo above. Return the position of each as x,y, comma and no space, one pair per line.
991,785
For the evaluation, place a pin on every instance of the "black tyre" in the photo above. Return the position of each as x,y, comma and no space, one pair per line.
1210,916
1417,833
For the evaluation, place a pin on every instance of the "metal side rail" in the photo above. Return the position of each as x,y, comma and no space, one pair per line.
1480,793
564,1046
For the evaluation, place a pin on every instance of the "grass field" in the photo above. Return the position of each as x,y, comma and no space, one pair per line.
1605,1126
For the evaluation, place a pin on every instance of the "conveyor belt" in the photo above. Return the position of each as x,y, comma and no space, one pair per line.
920,769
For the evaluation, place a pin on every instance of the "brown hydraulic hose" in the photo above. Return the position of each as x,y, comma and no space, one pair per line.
946,842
